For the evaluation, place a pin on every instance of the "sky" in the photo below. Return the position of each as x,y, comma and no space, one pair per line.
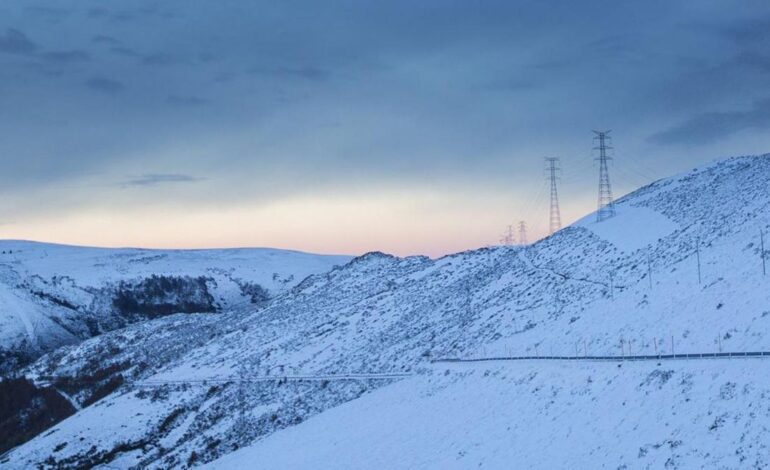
351,126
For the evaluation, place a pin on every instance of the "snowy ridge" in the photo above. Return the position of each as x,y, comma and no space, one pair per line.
583,288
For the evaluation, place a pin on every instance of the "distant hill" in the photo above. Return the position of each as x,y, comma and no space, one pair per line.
52,295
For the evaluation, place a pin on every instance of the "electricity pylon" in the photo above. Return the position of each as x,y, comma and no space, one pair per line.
606,208
554,216
522,233
507,238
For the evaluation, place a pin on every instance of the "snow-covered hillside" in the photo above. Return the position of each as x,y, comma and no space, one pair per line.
544,415
630,284
55,294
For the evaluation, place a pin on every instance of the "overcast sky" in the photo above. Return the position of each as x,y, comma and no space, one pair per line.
407,127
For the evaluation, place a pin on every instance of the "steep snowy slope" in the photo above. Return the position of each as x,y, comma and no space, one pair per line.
54,294
629,284
545,415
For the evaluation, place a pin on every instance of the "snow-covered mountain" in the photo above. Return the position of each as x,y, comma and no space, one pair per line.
55,294
680,266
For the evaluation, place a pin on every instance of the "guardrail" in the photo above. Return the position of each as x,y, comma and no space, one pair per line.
50,380
650,357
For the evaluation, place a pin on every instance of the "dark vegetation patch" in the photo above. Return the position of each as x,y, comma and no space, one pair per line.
12,361
256,293
55,300
26,410
165,425
104,389
157,296
93,378
95,458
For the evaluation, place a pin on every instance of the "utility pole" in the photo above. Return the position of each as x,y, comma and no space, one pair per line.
649,269
240,422
612,285
522,233
762,252
697,256
554,216
606,207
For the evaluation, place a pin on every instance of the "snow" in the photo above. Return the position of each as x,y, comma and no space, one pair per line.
584,288
539,415
24,321
10,302
32,323
118,419
632,228
92,267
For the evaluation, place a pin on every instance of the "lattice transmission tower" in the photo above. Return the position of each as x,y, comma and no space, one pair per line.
554,216
606,208
522,233
507,238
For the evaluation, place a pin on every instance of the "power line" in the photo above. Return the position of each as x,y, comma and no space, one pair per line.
533,207
606,208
